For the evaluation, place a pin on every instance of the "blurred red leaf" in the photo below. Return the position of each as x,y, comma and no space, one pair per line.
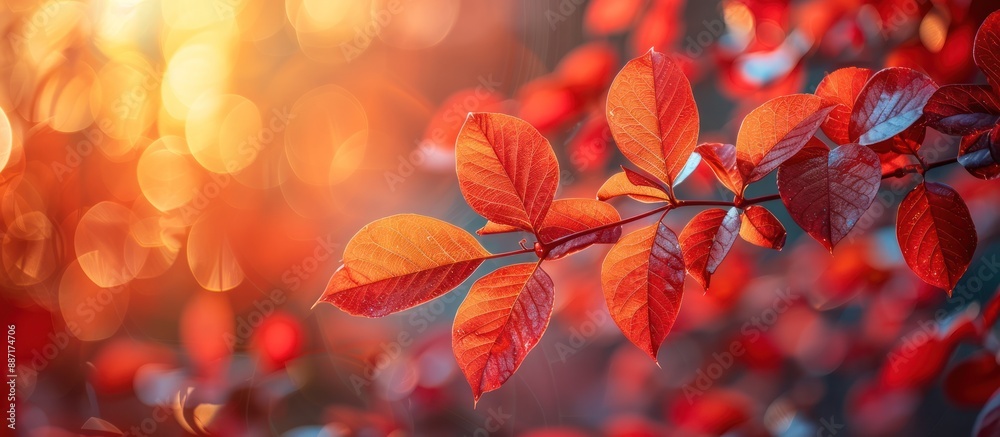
605,17
972,381
620,184
706,240
569,216
715,412
507,170
827,191
402,261
891,101
500,321
963,109
652,114
762,228
842,86
987,49
936,234
588,69
776,131
442,130
643,281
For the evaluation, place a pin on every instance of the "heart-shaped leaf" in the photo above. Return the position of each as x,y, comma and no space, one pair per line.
620,185
570,216
643,281
963,109
706,241
936,234
762,228
775,131
507,170
987,49
891,101
842,86
653,116
500,321
402,261
826,192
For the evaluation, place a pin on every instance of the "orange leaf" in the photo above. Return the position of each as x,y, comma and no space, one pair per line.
936,234
620,185
776,131
653,116
762,228
842,86
499,322
643,281
402,261
706,241
491,228
722,159
569,216
507,170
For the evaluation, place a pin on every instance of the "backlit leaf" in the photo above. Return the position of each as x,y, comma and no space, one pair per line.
620,185
963,109
507,170
891,101
500,321
706,241
721,158
569,216
987,49
652,114
842,86
401,261
643,281
936,234
491,228
827,191
762,228
776,131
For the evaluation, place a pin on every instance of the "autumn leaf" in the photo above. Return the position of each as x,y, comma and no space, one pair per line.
499,322
907,142
891,101
643,281
842,86
936,234
827,191
721,158
507,170
706,241
491,228
653,116
571,216
972,381
776,131
963,109
987,50
402,261
619,185
639,179
980,154
762,228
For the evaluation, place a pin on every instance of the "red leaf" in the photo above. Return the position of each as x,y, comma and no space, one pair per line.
962,109
936,234
762,228
842,86
569,216
972,381
402,261
916,361
826,192
652,114
706,240
643,281
722,159
507,171
907,142
776,131
605,17
987,49
500,321
637,178
891,101
980,154
620,185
